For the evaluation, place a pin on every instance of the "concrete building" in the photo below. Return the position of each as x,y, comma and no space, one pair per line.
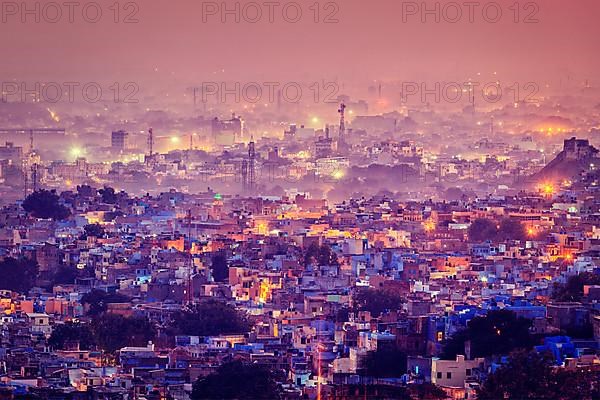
119,140
453,373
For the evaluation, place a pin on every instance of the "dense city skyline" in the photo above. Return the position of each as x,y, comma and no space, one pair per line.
299,200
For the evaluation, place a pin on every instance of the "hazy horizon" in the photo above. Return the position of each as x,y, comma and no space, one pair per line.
170,44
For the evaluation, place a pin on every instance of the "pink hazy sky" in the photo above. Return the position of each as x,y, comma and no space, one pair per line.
369,42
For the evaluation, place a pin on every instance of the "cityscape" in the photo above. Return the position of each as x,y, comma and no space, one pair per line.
300,200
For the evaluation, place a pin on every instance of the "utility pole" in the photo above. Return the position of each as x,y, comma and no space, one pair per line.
191,260
150,143
251,166
342,131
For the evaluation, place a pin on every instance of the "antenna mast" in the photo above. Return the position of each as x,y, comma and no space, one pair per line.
251,166
150,143
342,120
191,265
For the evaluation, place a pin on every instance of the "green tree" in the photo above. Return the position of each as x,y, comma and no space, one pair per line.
108,195
373,391
95,230
572,290
86,191
386,363
113,332
511,230
342,314
97,301
208,318
64,275
45,204
62,334
530,375
311,254
377,301
18,275
497,333
236,380
427,391
219,267
482,229
327,256
320,255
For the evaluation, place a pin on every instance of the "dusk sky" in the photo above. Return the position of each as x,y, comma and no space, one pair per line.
369,42
299,199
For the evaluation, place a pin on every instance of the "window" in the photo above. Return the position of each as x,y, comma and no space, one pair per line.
448,375
468,371
439,375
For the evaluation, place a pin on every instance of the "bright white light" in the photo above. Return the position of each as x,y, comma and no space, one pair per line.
76,151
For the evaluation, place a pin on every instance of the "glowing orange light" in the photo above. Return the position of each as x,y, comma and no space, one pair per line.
429,226
338,174
548,189
264,292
